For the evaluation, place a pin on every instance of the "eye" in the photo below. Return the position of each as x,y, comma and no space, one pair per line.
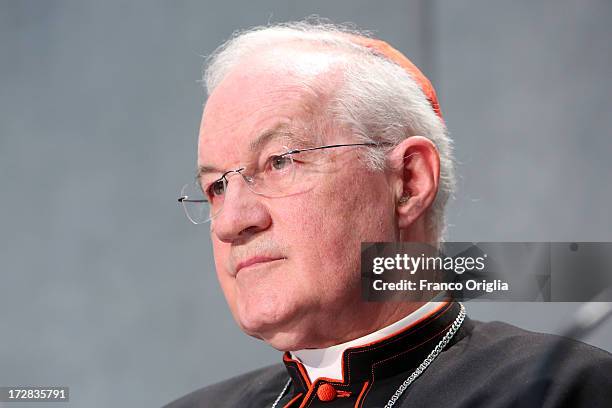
280,162
217,188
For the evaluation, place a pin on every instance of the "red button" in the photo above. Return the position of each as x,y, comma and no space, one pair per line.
326,392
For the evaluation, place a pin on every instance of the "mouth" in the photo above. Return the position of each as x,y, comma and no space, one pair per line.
256,261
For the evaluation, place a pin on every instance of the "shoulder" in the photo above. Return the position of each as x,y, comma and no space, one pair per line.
563,371
239,391
506,339
498,365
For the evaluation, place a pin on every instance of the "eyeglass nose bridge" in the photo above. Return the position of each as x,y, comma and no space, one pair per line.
249,180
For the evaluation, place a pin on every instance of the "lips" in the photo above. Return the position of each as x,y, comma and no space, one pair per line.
256,260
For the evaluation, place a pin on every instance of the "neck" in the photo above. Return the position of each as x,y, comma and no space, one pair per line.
379,315
315,333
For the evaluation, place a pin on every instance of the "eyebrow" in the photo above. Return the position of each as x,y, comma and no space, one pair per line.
270,135
279,131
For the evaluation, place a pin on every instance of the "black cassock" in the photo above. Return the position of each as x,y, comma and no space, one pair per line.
485,365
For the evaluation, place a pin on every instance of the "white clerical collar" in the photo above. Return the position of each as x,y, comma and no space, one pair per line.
327,362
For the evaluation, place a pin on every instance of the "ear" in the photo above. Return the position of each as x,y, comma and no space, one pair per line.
416,163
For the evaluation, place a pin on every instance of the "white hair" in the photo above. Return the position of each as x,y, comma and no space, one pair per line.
377,99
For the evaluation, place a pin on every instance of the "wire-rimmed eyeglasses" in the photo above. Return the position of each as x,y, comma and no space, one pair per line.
276,178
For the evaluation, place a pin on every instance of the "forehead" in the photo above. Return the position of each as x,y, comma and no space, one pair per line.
262,94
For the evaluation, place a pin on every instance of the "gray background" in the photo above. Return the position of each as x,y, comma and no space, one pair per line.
108,289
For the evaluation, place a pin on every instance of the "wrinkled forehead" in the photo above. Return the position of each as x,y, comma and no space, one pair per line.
277,93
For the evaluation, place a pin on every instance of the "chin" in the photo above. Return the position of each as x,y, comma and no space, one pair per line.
256,320
276,328
286,341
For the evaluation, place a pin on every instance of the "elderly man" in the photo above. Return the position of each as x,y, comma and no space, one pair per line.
313,140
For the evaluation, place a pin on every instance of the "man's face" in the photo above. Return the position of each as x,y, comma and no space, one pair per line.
289,266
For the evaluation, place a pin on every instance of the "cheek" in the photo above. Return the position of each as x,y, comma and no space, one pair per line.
355,208
329,224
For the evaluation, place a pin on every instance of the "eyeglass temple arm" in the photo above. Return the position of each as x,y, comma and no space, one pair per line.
335,145
185,199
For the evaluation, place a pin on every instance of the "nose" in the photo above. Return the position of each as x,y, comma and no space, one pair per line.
243,214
